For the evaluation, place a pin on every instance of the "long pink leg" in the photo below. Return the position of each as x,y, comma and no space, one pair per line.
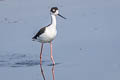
51,53
41,53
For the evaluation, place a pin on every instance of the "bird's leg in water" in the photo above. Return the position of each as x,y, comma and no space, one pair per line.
41,53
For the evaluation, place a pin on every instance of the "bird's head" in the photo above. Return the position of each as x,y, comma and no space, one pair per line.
55,11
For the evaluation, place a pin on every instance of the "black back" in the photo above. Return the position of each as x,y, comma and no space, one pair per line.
41,31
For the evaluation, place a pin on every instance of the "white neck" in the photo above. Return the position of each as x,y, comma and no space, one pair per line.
53,20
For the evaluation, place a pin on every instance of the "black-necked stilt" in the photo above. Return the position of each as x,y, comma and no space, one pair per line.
48,33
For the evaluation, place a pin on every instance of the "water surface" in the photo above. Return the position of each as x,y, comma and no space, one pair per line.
87,46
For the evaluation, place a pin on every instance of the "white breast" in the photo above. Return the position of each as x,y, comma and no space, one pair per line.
48,35
50,32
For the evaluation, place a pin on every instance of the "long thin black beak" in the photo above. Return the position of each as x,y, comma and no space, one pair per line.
62,16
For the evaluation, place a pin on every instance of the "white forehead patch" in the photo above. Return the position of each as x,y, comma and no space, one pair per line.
56,12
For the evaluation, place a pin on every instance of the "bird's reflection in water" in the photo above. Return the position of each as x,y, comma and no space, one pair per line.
42,72
52,70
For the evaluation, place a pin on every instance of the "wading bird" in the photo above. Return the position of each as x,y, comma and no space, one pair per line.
48,33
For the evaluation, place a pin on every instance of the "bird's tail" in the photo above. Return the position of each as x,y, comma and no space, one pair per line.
33,39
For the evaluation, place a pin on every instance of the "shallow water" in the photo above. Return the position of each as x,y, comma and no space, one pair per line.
87,46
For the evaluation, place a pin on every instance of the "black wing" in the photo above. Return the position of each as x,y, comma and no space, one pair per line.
41,31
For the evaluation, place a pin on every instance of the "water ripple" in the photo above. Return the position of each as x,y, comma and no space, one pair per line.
18,60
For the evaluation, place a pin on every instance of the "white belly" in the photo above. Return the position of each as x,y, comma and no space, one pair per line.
47,36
